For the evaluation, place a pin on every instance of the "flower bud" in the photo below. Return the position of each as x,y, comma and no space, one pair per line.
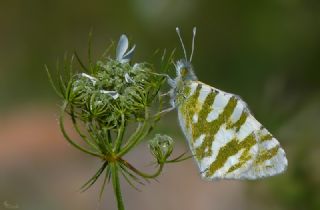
161,147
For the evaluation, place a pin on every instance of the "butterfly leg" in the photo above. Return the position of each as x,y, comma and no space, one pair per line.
167,110
171,82
171,93
166,93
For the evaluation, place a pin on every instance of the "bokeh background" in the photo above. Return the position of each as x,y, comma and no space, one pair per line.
266,51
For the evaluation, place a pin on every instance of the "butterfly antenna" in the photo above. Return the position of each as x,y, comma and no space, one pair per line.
184,49
194,31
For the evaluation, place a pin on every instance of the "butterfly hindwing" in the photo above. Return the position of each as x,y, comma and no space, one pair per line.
225,139
271,159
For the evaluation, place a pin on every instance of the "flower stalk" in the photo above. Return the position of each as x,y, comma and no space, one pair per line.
103,100
116,185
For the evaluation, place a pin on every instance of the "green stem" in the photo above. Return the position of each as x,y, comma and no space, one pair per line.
73,143
52,83
138,135
82,135
116,185
119,139
144,175
99,138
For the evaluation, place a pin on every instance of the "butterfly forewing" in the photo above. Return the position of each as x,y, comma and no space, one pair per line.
225,139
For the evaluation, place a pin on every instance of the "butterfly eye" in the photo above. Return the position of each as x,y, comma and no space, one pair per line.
183,72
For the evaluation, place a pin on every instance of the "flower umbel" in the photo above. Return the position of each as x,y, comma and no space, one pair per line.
102,101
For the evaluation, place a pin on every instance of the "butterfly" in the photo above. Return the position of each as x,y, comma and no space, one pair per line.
225,139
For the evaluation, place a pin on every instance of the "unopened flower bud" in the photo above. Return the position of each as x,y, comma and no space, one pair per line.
161,147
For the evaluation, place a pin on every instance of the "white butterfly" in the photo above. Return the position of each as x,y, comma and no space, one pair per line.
226,140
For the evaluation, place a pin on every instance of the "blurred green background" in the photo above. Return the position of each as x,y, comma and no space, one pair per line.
266,51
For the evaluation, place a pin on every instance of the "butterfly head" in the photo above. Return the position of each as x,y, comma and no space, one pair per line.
184,70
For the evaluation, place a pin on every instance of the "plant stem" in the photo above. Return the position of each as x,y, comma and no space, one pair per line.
138,135
83,136
116,185
144,175
119,139
73,143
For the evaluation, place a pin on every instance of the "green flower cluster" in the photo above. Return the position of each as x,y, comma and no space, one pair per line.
114,92
102,101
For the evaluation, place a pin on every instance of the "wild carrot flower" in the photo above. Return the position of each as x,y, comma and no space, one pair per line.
105,99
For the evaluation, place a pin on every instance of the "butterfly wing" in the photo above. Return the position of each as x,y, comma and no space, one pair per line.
225,139
271,159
